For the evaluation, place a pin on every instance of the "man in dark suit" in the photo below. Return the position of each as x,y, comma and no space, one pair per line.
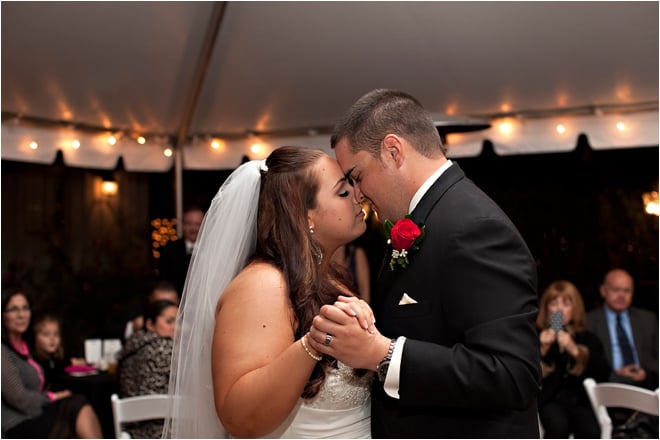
175,256
640,332
464,357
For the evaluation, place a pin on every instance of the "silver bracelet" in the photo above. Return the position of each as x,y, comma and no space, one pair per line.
302,341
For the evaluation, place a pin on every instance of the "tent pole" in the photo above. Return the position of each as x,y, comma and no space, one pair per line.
196,87
178,190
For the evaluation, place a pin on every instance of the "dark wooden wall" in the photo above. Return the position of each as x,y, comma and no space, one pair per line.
77,254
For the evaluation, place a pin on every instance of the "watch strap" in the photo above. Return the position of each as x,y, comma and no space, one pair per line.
383,365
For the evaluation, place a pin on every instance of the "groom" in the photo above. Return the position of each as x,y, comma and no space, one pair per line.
458,356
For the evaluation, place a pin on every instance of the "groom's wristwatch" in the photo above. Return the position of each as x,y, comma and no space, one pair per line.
384,365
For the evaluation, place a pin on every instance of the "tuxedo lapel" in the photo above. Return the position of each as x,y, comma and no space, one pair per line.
452,175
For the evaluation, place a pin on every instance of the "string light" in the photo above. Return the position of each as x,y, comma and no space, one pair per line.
164,232
506,127
651,203
508,123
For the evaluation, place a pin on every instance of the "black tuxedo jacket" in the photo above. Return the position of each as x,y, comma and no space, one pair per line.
645,337
471,361
173,264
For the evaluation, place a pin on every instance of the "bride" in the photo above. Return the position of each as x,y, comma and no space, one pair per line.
242,366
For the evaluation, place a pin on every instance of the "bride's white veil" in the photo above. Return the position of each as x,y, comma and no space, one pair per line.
226,241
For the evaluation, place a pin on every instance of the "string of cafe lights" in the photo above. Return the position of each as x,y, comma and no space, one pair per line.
505,122
112,136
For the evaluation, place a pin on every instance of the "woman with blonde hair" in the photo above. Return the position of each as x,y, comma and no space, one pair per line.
569,354
49,351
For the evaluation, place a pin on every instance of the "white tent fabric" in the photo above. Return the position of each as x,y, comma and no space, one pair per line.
94,151
281,70
541,135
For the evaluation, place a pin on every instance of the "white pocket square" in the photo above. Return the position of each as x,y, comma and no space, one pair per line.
405,299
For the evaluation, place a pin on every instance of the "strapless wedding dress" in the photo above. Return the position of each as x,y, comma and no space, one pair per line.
341,409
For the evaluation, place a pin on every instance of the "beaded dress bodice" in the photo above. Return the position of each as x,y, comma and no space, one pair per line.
341,409
342,389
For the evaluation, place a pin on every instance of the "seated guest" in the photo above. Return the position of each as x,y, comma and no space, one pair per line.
569,354
629,334
144,362
161,291
630,338
48,351
28,411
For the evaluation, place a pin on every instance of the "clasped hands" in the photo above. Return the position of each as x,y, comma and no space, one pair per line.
632,371
355,340
564,340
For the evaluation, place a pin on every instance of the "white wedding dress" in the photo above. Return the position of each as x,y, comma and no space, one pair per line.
341,409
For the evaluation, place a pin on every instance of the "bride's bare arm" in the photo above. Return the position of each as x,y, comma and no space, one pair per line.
259,371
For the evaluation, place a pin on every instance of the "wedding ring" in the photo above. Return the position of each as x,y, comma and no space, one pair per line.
328,339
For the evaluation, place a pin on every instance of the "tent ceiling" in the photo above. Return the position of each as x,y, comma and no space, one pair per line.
277,66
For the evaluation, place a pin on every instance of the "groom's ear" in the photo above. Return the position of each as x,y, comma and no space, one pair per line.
392,149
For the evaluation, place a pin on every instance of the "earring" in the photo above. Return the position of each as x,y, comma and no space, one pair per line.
318,254
311,229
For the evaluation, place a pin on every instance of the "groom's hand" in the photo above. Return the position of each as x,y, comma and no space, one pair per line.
359,309
348,340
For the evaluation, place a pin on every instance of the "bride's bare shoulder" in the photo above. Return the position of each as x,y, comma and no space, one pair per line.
260,272
254,281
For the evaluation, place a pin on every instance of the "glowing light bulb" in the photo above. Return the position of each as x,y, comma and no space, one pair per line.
653,208
620,126
112,140
215,144
141,140
506,127
75,144
109,187
34,145
561,128
168,152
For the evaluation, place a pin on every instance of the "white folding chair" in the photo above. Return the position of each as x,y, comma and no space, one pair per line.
605,395
138,408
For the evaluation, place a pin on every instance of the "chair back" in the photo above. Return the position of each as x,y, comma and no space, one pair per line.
605,395
138,408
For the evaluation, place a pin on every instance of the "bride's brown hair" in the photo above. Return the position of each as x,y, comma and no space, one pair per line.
288,190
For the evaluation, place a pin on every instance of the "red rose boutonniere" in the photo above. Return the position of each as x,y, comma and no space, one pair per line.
404,236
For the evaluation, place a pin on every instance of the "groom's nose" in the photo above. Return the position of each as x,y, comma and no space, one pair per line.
357,194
